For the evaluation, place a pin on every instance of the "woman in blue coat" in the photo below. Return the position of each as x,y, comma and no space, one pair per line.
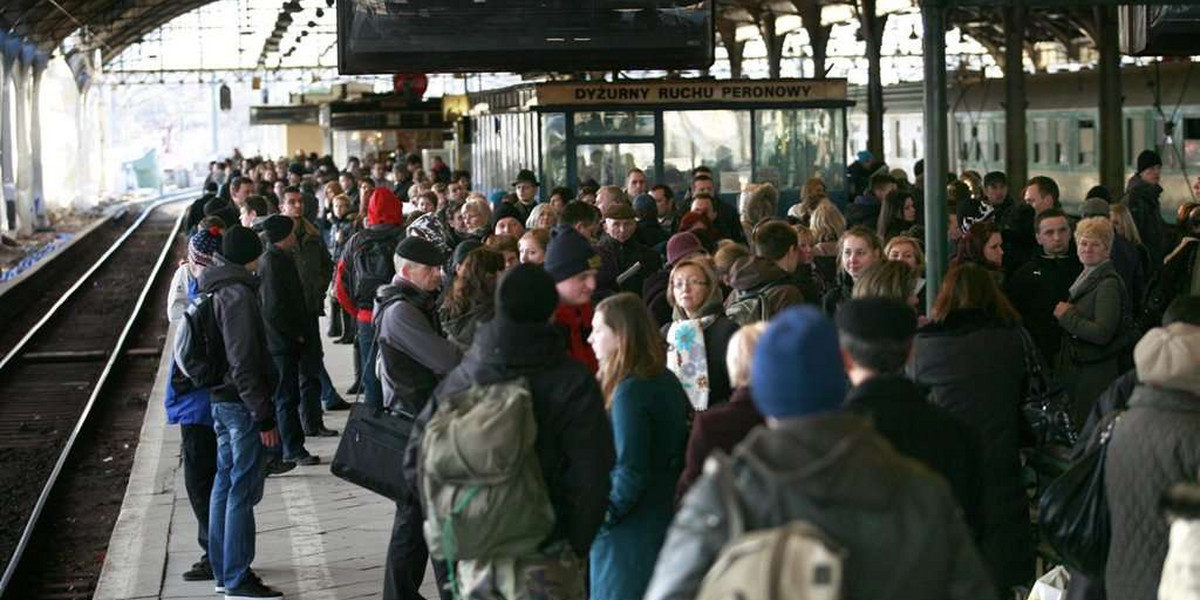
649,412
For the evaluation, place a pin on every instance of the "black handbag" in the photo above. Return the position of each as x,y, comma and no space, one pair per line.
1073,511
1046,408
371,450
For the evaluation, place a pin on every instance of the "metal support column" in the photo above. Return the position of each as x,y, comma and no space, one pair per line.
818,34
774,43
733,48
937,151
872,25
1111,147
25,211
8,176
1016,153
35,141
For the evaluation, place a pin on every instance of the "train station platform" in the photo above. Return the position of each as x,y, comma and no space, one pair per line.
319,538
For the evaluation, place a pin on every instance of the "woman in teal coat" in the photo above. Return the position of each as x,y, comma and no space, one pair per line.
649,412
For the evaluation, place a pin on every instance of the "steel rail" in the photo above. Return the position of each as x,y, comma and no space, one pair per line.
117,351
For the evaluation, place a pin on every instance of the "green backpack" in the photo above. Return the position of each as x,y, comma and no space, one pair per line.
481,482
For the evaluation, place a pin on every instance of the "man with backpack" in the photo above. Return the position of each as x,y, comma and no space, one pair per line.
776,240
243,414
545,523
761,289
816,496
366,264
415,357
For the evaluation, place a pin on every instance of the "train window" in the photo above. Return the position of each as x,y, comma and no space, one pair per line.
997,141
896,142
964,144
1060,144
1191,140
1039,140
613,122
1087,142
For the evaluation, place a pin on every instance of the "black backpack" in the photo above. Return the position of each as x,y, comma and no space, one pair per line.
199,350
372,265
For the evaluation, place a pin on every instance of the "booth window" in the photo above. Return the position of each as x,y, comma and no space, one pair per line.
719,139
609,163
554,152
794,145
601,123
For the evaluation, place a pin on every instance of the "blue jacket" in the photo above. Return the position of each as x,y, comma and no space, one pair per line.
649,419
192,407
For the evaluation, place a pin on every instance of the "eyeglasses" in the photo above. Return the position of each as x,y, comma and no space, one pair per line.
685,283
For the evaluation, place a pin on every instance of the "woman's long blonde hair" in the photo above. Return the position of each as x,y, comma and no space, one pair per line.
641,350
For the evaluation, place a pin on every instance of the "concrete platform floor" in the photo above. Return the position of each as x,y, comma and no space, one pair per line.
319,538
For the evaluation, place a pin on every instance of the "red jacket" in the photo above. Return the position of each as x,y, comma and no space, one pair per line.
576,322
383,208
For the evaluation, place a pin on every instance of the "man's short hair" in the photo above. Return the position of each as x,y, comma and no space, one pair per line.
1045,185
258,204
880,180
413,159
575,213
632,171
701,177
666,190
1050,213
773,239
239,181
879,355
702,169
563,192
995,178
292,189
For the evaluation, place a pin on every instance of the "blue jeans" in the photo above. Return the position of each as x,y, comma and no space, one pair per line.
329,396
372,389
237,487
287,406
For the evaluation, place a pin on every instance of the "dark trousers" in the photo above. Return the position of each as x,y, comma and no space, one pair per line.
312,371
287,404
199,468
371,387
407,555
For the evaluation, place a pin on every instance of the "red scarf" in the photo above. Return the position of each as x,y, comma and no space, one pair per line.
577,320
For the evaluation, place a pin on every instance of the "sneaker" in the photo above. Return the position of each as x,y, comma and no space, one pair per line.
201,571
252,589
279,467
321,431
220,588
308,461
354,389
339,404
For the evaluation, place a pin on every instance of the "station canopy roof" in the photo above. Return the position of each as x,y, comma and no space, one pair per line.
113,26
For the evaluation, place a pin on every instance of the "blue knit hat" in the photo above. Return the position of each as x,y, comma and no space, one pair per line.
797,369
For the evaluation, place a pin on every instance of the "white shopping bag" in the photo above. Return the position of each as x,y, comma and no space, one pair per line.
1181,570
1051,586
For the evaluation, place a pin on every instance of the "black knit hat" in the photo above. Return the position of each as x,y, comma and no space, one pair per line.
506,210
569,254
877,319
526,176
278,227
421,251
1148,159
240,246
526,294
462,250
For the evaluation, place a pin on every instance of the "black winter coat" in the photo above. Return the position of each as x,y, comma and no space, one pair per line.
926,432
574,440
282,294
235,305
1035,289
629,253
974,367
1143,201
654,294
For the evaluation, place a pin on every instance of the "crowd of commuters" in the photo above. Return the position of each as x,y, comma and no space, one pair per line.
694,361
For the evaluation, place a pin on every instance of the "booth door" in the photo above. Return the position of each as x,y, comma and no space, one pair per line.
607,163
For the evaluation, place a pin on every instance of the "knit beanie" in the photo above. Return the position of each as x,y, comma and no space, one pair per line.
203,245
420,251
503,211
462,250
645,207
681,245
526,294
240,246
797,369
1094,207
1148,159
1169,357
278,227
569,254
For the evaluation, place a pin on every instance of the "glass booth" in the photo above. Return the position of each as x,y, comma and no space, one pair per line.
778,131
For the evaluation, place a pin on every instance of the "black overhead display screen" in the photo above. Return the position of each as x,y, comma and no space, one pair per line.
430,36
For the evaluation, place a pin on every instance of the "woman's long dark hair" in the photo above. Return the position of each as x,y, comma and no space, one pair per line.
970,247
891,214
475,285
970,286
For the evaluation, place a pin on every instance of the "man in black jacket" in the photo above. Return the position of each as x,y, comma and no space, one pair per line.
243,415
285,317
635,261
1143,198
574,442
876,337
1044,281
415,357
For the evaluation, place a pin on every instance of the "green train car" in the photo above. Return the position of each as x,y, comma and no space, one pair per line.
1161,109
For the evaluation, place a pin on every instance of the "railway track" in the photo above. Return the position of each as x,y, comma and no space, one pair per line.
72,385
